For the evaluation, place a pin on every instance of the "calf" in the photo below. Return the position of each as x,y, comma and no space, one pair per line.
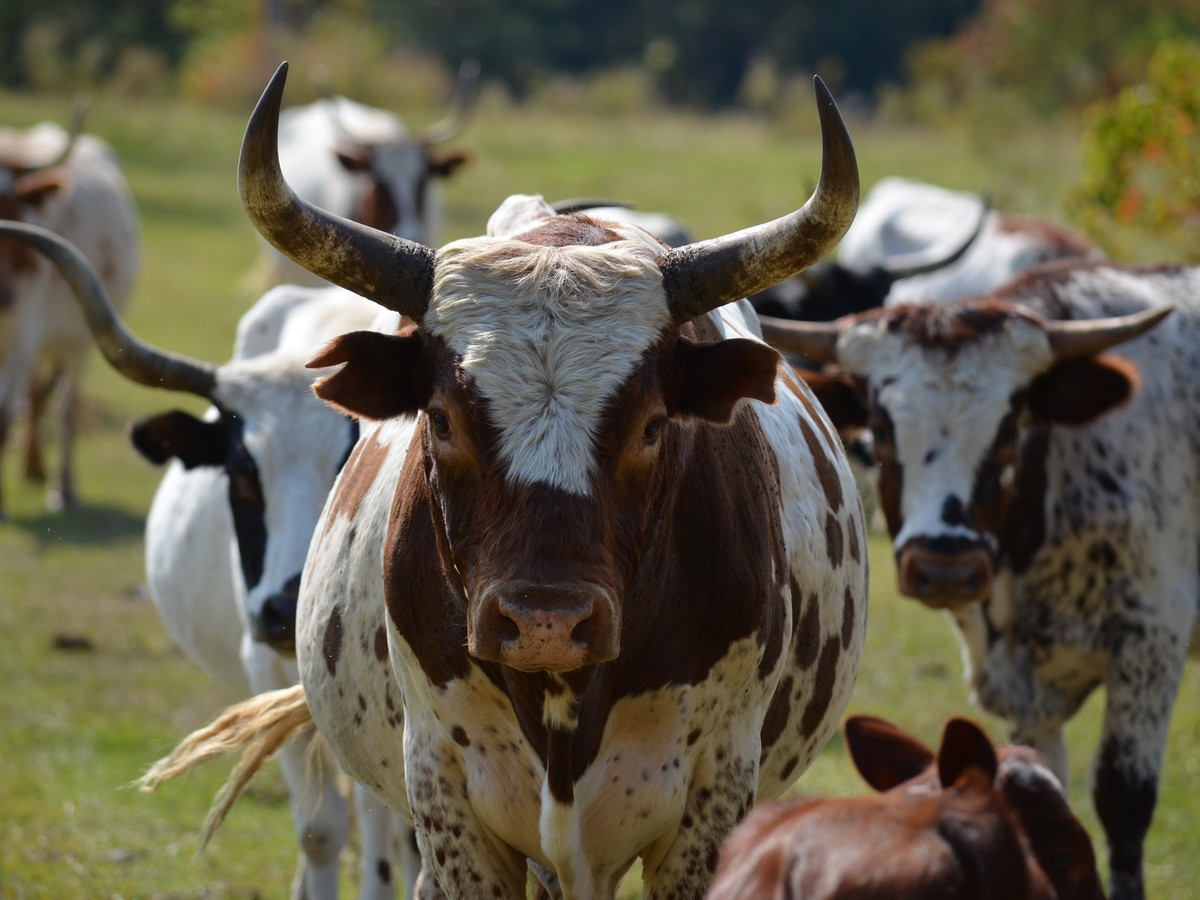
71,184
1047,496
970,822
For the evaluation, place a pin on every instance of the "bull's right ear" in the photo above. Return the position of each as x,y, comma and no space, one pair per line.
884,755
384,375
839,396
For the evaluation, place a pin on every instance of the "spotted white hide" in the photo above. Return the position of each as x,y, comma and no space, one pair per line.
675,764
44,341
211,580
1050,502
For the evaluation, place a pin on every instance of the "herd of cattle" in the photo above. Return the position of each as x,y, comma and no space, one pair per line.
538,537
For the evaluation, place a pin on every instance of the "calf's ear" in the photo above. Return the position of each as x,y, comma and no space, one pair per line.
383,376
180,435
710,377
884,755
1079,391
965,749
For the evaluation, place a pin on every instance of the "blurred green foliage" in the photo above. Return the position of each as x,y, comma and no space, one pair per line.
1142,159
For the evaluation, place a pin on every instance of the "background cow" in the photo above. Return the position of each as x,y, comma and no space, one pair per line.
71,184
1046,496
363,164
572,459
231,522
972,821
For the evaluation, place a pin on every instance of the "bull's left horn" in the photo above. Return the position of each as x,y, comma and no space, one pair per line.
386,269
1087,337
702,276
133,358
812,340
466,89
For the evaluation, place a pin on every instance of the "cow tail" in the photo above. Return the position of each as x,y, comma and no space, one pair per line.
258,726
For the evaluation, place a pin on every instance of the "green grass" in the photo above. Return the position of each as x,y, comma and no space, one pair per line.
76,727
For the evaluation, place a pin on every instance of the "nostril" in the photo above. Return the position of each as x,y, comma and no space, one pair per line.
583,632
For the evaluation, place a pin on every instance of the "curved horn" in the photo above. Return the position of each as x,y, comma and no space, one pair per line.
812,340
1087,337
583,204
134,359
388,270
920,263
74,130
465,92
702,276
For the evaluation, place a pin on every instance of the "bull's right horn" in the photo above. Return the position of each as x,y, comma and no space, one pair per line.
389,270
134,359
1071,339
812,340
700,277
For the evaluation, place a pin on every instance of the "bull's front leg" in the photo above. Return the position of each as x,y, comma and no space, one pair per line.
460,857
721,794
1142,683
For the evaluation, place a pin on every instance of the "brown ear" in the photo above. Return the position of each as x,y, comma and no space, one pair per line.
353,158
1079,391
839,396
884,755
965,749
36,188
714,376
445,165
384,375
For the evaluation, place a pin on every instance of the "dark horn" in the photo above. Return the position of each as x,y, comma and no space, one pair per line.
702,276
816,341
134,359
1087,337
386,269
921,263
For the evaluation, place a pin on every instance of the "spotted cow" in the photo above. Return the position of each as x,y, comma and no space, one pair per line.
230,524
971,821
594,578
364,164
1046,494
70,183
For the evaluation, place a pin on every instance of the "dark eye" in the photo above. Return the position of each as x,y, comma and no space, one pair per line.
653,429
440,423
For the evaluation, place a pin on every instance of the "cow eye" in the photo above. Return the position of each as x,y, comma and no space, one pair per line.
439,421
653,429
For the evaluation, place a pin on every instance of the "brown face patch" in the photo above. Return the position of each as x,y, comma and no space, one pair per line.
569,231
949,327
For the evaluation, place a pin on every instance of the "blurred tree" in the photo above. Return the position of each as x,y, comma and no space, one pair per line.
1142,159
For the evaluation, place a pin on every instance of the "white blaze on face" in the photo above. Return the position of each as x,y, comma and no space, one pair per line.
945,409
548,335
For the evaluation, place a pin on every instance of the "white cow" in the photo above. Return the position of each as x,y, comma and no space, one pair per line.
363,164
72,185
900,217
229,527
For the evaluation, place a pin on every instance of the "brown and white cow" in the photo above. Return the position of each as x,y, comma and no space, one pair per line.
1047,495
594,578
71,184
971,821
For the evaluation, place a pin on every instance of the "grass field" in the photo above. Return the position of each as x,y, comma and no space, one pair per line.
78,725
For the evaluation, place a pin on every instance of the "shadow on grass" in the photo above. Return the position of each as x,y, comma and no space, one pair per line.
89,525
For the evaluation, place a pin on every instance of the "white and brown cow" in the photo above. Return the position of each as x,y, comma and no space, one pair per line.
230,524
594,578
1047,495
362,163
71,184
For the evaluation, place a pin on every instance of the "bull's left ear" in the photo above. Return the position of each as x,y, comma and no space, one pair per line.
1079,391
383,376
36,188
445,165
714,376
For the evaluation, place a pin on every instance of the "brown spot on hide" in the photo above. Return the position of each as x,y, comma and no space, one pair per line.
847,617
331,646
827,472
823,684
569,231
381,644
460,736
808,633
834,541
